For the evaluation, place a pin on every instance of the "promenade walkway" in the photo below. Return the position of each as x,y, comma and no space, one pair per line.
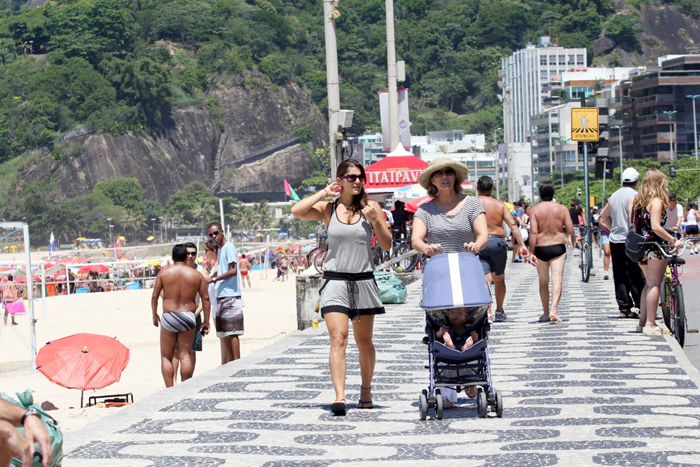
589,391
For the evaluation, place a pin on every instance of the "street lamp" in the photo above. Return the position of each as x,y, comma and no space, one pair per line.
109,224
161,228
619,137
498,164
153,227
509,162
695,123
670,127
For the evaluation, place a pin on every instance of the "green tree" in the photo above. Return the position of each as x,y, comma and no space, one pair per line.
135,222
126,192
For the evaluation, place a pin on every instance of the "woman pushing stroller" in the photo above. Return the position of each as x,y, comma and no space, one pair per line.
349,291
451,222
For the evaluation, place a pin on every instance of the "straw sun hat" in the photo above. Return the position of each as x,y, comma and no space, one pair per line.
441,163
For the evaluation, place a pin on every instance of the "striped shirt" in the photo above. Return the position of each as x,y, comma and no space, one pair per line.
451,231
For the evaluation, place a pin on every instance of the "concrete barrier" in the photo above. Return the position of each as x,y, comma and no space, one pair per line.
307,295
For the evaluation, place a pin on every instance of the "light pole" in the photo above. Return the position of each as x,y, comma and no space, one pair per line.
161,228
109,225
619,137
695,123
670,127
509,162
153,227
498,165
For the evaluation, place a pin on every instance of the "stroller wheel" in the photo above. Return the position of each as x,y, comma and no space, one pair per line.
499,404
438,406
481,404
423,406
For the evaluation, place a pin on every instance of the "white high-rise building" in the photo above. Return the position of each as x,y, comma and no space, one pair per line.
525,76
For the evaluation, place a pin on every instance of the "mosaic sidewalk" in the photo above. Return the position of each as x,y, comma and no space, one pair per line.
589,391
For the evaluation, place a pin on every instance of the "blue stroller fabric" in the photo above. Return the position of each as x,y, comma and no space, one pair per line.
452,280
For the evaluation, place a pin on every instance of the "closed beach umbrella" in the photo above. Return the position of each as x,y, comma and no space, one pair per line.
83,361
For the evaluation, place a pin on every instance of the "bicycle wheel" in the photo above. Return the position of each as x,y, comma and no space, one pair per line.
586,257
312,254
678,314
319,259
664,296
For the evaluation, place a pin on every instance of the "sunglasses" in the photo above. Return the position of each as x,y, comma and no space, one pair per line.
448,171
214,233
191,253
352,178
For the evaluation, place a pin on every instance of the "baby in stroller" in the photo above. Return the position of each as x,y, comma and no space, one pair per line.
456,299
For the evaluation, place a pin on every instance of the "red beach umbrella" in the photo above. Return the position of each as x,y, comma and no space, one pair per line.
83,361
93,268
412,206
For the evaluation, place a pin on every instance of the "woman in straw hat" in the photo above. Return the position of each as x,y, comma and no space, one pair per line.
451,222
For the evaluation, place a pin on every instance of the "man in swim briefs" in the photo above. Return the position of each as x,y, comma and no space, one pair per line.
494,256
245,270
550,224
180,284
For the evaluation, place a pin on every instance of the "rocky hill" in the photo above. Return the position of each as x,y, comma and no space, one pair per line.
254,114
664,31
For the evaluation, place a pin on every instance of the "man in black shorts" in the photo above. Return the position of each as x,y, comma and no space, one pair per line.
494,255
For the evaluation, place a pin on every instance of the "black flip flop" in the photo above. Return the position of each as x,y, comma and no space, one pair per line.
338,408
365,404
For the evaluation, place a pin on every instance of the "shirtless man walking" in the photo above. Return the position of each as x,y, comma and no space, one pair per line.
180,284
494,256
550,225
244,266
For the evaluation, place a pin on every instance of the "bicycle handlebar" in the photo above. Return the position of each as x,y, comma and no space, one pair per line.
674,251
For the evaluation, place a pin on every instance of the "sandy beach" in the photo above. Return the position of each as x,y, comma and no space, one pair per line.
270,314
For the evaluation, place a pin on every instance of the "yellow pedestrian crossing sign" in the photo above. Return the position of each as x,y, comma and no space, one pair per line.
584,124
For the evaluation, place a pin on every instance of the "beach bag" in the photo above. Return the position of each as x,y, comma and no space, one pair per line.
391,289
635,247
15,308
524,233
26,400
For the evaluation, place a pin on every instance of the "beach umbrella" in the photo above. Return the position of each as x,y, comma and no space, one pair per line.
93,268
412,206
83,361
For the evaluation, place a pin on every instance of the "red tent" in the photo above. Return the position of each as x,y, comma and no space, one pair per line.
393,172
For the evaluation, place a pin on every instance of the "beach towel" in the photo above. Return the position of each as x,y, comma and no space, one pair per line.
15,308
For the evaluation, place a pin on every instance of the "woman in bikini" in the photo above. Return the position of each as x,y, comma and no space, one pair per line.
349,292
647,217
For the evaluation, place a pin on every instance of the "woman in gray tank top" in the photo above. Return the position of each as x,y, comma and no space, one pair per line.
348,290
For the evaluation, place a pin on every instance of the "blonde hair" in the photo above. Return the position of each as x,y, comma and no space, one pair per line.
654,185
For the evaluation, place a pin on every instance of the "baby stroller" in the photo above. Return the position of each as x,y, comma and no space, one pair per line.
456,298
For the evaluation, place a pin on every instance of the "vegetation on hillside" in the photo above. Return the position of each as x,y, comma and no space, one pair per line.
120,65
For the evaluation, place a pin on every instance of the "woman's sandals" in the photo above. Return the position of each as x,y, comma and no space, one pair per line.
338,407
365,404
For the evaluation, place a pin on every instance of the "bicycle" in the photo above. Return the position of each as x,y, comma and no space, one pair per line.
586,257
316,256
401,246
671,292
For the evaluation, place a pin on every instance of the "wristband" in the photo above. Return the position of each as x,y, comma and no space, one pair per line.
326,191
30,411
